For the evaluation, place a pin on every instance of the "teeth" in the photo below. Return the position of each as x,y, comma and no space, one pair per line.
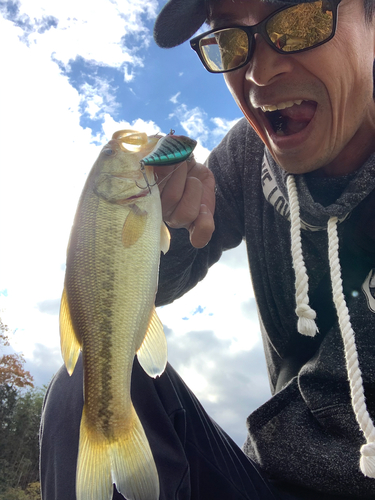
281,105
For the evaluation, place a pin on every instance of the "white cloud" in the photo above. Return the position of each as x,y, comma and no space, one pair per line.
98,99
44,364
197,125
69,29
193,121
110,126
222,126
175,97
128,75
201,153
220,310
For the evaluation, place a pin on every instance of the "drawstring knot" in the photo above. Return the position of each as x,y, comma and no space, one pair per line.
306,316
306,320
367,462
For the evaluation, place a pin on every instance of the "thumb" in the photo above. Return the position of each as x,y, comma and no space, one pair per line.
202,228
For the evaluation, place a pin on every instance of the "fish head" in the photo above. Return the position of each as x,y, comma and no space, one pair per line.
118,174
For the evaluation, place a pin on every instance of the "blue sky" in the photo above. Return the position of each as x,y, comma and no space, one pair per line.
73,74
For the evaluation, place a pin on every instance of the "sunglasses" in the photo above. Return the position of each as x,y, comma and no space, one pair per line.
288,30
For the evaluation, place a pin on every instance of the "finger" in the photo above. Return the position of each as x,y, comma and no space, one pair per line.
208,181
202,228
187,209
209,194
167,175
172,188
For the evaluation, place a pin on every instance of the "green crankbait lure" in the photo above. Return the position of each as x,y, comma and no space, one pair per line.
169,150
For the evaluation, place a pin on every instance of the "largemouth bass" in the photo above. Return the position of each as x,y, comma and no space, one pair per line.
108,312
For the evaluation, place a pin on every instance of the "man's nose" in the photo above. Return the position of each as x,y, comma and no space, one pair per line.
267,65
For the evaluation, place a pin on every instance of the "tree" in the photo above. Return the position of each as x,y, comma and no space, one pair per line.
20,412
12,372
25,455
19,437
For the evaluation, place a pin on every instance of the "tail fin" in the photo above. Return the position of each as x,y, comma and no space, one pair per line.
126,461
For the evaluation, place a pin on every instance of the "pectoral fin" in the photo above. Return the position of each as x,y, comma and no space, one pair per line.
134,226
165,238
70,343
152,354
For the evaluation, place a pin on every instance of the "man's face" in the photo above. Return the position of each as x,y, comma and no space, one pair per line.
331,126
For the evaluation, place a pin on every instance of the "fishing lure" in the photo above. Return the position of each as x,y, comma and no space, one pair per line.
169,150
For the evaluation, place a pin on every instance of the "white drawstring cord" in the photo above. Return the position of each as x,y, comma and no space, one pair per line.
306,316
306,324
367,462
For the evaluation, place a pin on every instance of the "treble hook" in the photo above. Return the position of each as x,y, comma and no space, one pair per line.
148,185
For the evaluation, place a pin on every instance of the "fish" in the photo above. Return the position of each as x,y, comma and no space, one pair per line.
108,312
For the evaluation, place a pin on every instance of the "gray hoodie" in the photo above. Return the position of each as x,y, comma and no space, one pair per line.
307,434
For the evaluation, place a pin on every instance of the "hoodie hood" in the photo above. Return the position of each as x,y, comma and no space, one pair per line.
314,216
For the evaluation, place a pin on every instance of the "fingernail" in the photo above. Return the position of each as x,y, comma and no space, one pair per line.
203,209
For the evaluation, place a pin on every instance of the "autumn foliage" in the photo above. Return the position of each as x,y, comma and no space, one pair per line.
11,365
20,410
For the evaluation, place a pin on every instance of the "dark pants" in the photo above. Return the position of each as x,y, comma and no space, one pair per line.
194,457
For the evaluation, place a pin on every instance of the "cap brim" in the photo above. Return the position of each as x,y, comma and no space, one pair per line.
178,21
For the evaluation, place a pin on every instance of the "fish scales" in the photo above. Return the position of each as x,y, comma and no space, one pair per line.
108,312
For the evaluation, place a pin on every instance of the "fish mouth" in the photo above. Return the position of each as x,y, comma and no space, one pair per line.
288,118
135,197
143,190
141,194
138,179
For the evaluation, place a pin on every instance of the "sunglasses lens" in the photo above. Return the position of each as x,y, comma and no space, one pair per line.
225,49
301,27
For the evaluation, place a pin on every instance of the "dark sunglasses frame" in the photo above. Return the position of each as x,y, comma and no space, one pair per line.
261,29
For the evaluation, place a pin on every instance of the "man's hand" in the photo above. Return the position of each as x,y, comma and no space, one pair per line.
187,192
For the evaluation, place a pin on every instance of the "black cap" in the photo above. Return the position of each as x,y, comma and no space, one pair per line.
180,19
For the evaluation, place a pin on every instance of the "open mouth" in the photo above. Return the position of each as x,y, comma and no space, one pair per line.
290,117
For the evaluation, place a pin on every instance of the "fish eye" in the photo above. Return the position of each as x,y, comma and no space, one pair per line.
108,151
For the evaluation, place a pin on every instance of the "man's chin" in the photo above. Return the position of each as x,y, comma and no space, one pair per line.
296,164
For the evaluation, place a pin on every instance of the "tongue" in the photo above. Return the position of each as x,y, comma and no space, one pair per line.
299,116
303,112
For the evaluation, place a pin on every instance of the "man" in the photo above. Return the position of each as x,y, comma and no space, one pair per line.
296,178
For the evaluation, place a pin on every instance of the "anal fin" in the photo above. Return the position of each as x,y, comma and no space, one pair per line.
152,355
